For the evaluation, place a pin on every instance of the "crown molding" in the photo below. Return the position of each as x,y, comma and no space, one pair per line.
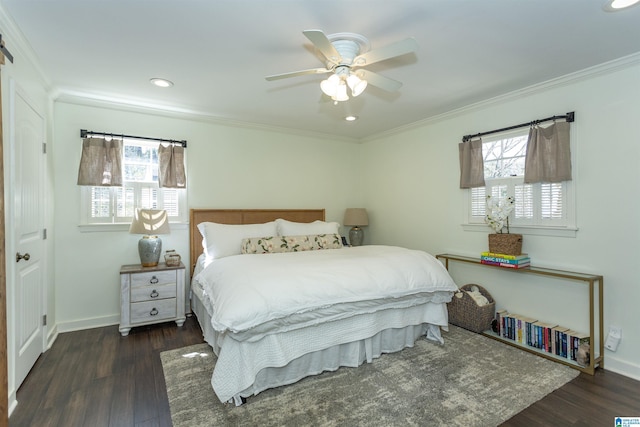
102,101
587,73
19,47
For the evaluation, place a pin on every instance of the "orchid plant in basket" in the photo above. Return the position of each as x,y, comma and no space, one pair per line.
498,210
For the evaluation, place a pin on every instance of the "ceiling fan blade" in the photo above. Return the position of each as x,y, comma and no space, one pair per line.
297,73
323,44
395,49
378,80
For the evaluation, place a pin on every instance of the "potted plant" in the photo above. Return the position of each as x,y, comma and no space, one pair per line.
497,217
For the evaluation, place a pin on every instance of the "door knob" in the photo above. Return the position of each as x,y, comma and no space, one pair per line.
19,256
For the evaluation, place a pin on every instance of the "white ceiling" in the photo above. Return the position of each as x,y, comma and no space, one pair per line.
218,52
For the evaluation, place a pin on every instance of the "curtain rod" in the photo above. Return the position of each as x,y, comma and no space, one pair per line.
569,117
84,133
4,50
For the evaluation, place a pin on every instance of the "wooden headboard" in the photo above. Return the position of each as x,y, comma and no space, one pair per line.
242,216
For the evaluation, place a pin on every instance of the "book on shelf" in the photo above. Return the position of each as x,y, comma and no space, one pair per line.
511,326
500,314
543,335
504,260
527,334
506,325
505,256
506,264
556,344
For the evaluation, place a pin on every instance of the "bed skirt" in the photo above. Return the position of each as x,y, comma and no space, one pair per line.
242,370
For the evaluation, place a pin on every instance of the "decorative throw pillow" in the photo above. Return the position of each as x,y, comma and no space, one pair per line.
275,244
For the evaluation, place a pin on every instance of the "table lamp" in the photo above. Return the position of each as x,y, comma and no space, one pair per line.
356,217
150,223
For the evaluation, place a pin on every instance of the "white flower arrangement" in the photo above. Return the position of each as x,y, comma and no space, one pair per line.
498,211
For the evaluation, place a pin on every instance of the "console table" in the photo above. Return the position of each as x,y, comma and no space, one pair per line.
595,284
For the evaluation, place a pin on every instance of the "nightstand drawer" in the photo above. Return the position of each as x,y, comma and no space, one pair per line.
153,293
148,311
153,278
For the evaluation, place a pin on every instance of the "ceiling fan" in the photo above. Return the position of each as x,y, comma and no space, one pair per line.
345,55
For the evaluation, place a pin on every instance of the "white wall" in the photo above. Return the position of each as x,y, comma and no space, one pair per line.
413,199
227,167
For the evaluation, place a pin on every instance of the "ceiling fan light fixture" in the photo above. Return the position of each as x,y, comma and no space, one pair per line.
330,86
341,94
356,84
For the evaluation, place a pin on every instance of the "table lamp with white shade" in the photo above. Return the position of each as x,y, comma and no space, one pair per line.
356,217
150,223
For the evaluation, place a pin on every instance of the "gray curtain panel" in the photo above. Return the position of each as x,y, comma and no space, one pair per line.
548,154
101,162
171,167
471,164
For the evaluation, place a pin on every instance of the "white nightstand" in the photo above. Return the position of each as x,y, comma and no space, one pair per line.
151,295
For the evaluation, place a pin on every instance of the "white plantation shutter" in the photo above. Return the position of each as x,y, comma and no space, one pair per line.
524,201
124,202
552,201
148,198
171,201
100,202
478,202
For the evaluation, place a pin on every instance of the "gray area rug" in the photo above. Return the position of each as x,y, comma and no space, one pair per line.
470,381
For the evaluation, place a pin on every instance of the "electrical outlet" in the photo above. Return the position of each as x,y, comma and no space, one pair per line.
613,338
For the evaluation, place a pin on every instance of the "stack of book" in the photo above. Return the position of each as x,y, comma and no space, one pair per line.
504,260
547,337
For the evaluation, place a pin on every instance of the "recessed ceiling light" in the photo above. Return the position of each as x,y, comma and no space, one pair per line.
161,82
616,5
351,118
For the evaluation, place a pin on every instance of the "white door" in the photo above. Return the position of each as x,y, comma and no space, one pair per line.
28,220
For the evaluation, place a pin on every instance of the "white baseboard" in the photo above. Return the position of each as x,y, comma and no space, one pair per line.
51,336
621,367
94,322
13,403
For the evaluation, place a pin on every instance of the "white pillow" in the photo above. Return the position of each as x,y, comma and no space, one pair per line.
289,228
221,240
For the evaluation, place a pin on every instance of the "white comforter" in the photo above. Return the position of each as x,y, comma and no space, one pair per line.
246,291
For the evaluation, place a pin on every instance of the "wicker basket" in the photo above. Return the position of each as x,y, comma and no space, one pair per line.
505,243
464,311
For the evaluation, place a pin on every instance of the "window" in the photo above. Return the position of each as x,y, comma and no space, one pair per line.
537,206
115,205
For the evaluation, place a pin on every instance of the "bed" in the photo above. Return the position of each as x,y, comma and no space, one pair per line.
333,306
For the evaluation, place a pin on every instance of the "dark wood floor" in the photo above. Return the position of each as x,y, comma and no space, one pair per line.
98,378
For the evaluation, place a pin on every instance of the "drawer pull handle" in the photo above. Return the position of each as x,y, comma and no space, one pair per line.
154,312
154,294
153,280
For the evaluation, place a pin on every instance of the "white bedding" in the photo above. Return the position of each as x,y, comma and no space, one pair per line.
269,327
248,292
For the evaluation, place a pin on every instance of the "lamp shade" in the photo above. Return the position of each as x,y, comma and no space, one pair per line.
149,222
356,84
341,92
330,85
356,217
